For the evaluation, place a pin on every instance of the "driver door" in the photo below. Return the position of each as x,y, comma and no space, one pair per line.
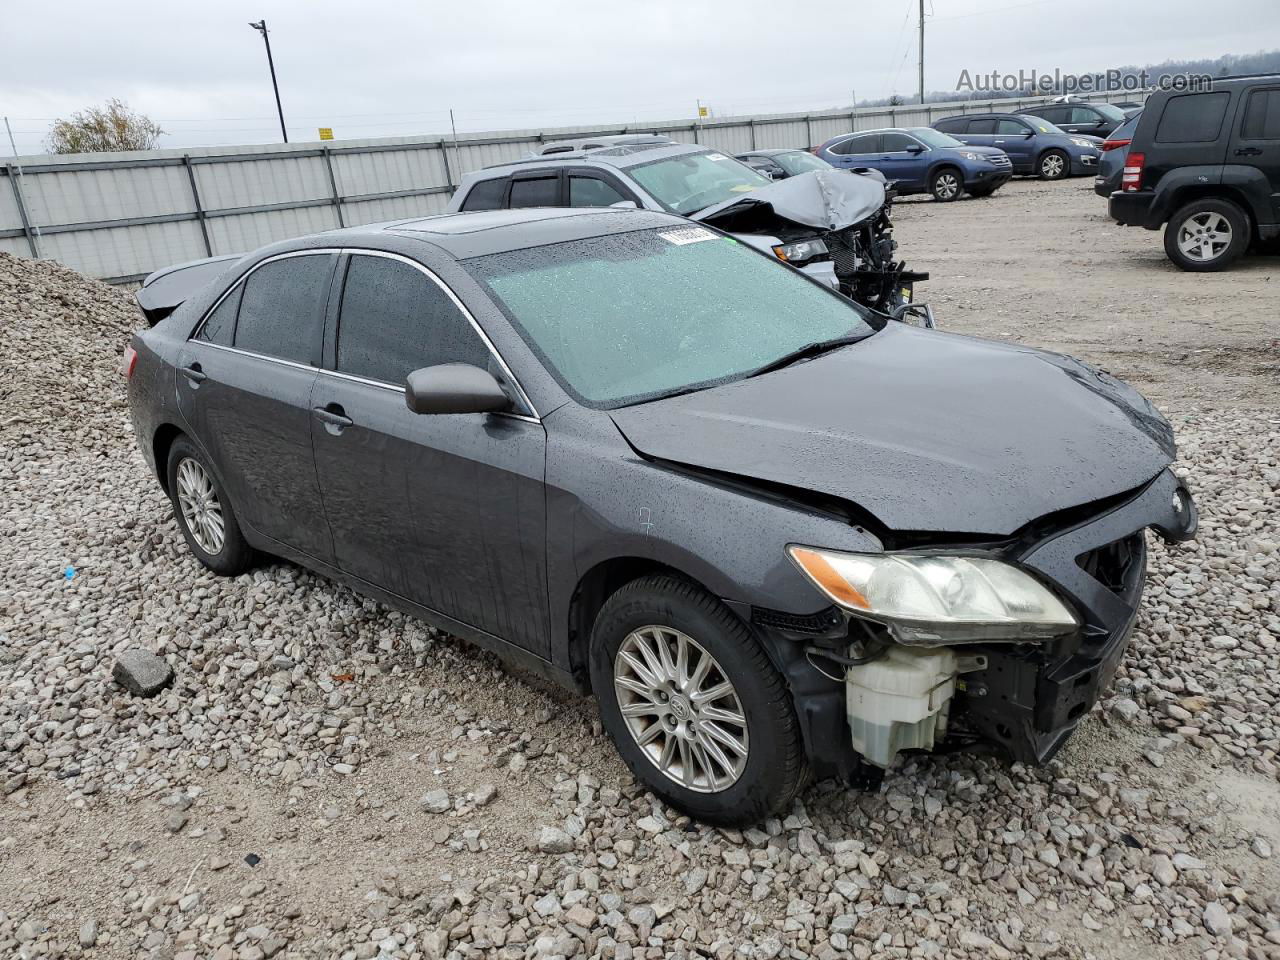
447,511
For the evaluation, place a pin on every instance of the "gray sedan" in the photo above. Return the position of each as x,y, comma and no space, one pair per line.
769,530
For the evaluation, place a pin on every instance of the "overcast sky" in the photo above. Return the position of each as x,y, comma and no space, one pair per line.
381,68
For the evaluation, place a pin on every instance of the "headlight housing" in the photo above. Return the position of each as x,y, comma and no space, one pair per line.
1082,143
969,156
800,252
933,599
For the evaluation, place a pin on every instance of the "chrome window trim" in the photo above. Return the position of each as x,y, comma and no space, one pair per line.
444,287
357,251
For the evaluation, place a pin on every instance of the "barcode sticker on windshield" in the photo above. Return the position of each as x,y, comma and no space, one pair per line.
716,156
687,235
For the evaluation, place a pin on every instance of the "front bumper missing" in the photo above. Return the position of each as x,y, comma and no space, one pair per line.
1030,698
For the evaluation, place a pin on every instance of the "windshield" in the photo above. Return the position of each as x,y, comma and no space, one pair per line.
934,138
689,183
1108,111
634,316
800,162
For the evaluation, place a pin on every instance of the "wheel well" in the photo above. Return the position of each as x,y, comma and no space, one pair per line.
596,586
160,445
1214,191
1041,155
946,165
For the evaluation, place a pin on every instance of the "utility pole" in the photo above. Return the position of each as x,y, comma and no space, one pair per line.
261,27
922,51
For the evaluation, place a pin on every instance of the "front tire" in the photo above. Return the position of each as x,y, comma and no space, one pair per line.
694,706
981,191
1207,235
1053,165
205,515
946,185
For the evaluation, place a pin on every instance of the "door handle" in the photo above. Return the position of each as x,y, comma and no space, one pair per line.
332,416
999,141
1248,152
194,373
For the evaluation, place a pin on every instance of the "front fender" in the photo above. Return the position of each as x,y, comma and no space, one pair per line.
607,502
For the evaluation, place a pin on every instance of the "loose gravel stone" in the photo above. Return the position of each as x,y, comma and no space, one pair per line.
141,672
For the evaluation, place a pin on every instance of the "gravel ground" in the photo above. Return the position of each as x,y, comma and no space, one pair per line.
325,778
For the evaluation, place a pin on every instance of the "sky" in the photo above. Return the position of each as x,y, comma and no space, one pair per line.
373,68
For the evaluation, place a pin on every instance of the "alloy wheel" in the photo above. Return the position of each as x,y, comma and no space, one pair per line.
946,186
1051,167
681,709
201,510
1204,236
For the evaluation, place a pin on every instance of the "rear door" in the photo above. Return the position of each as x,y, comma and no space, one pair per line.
981,132
244,384
1191,130
1257,141
860,151
447,511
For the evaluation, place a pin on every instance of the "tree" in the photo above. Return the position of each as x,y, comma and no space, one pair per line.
104,129
896,101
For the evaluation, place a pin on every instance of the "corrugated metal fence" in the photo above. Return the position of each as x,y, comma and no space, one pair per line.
120,216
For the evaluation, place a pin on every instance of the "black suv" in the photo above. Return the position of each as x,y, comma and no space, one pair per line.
1093,119
1208,164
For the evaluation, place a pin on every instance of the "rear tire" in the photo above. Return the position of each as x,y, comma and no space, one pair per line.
1053,165
205,515
1207,235
946,184
730,759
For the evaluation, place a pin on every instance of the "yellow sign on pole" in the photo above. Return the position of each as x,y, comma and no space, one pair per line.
326,133
704,111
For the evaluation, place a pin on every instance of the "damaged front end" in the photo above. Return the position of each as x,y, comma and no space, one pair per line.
1020,682
834,216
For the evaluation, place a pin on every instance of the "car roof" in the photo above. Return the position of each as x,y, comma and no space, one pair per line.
618,157
979,116
464,235
771,152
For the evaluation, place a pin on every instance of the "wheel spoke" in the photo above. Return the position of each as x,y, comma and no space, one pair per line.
723,716
640,670
650,733
721,689
713,732
644,709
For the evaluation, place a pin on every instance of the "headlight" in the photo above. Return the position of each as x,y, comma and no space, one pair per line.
801,252
928,600
969,156
1082,143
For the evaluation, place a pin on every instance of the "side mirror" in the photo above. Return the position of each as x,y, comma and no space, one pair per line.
454,388
1029,134
623,205
915,148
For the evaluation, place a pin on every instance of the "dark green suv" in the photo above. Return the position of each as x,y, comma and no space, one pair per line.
1207,164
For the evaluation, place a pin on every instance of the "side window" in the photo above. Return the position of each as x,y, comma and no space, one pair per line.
1084,115
897,143
1053,114
951,125
282,308
536,192
395,319
1262,116
855,145
592,192
486,195
1193,118
220,325
1011,128
982,126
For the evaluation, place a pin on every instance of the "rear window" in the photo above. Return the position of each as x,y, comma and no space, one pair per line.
867,144
1193,118
283,306
1262,116
219,326
535,192
982,126
951,125
486,195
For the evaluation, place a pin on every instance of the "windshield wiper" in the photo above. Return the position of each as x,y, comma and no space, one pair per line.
808,351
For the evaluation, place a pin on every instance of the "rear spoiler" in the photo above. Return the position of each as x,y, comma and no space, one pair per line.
166,290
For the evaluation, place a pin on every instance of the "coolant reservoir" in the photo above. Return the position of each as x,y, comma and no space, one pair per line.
899,701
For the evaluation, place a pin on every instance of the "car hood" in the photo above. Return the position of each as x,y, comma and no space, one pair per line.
826,199
926,431
980,151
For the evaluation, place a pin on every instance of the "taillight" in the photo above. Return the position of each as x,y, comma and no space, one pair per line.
1131,177
1114,144
129,361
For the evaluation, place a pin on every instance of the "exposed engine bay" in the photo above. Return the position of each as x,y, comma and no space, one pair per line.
853,212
